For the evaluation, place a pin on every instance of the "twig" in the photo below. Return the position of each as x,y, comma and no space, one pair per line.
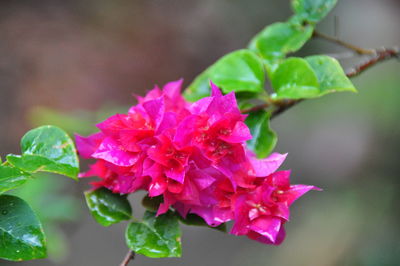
129,256
380,55
358,50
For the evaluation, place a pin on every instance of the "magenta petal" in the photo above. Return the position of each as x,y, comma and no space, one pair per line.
155,109
281,178
172,89
265,167
207,213
296,191
267,226
200,106
87,145
240,133
215,91
157,187
176,175
265,240
169,121
184,132
110,151
222,105
201,179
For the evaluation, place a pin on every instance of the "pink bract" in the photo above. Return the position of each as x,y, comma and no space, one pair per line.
194,155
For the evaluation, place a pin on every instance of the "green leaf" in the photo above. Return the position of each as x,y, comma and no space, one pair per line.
295,79
152,203
60,206
108,208
11,177
21,234
47,149
264,138
330,74
239,71
274,42
195,220
313,11
155,237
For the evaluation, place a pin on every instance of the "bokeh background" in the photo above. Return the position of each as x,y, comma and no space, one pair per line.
72,63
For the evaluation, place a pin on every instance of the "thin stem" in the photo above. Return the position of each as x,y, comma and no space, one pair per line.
129,256
358,50
380,56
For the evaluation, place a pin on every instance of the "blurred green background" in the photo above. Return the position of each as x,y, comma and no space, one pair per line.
72,63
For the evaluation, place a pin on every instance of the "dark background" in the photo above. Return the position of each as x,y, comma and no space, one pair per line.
72,62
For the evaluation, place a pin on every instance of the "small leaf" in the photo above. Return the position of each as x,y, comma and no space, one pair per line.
295,79
313,10
47,149
11,177
152,203
330,74
155,237
21,234
108,208
195,220
279,39
239,71
264,138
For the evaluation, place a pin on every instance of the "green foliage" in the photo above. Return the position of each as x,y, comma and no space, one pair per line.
264,138
330,74
279,39
152,203
295,79
239,71
21,234
48,149
48,190
314,76
155,236
312,11
291,78
108,208
11,177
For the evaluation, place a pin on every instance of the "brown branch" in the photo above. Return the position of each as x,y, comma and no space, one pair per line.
380,56
281,106
129,256
358,50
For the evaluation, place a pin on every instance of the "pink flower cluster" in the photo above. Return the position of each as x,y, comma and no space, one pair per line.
194,155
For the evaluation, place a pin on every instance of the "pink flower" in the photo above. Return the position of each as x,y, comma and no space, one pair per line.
193,155
261,213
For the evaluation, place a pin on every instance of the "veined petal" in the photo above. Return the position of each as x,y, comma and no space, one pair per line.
265,167
110,151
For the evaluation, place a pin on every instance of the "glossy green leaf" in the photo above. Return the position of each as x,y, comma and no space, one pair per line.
279,39
239,71
330,74
108,208
264,138
155,237
313,10
11,177
60,206
47,149
195,220
21,234
295,79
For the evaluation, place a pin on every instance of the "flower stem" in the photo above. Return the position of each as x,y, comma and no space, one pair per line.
129,256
